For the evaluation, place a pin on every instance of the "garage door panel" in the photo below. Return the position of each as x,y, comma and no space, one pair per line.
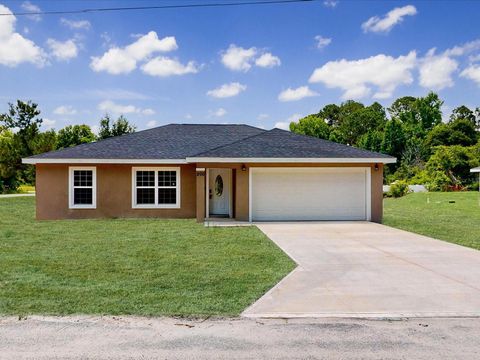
309,194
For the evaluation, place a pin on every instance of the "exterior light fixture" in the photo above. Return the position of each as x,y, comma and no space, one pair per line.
376,167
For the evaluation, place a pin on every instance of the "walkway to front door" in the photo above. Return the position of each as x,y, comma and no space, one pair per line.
219,192
360,269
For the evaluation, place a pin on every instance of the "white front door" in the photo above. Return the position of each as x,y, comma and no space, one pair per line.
219,181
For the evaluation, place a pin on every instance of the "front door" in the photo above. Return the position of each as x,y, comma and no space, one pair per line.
219,181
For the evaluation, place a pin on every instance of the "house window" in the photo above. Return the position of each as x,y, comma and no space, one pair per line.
82,188
156,188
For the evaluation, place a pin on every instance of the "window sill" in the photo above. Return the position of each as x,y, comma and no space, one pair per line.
173,206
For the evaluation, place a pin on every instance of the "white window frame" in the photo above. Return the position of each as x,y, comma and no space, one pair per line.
72,187
156,205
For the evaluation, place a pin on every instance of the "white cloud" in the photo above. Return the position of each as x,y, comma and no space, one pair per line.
227,90
115,108
355,77
163,67
29,7
188,116
472,72
237,58
14,48
124,60
392,18
463,49
65,110
285,125
151,123
148,112
296,94
330,3
63,51
76,24
282,125
436,71
322,41
268,60
48,123
262,116
219,112
118,94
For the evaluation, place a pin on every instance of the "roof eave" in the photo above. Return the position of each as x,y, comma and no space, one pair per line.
34,161
290,160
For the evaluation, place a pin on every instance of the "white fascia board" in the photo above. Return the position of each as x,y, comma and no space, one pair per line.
290,160
102,161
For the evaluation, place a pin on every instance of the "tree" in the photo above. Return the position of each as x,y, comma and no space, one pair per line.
360,120
23,117
330,114
393,142
449,166
371,141
8,161
419,115
463,112
73,135
460,131
311,125
120,127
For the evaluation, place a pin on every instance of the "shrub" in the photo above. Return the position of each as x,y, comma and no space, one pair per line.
398,189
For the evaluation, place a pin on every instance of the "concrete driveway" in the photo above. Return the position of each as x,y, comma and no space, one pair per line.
361,269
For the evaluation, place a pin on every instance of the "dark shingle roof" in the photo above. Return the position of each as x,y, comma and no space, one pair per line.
173,141
278,143
180,141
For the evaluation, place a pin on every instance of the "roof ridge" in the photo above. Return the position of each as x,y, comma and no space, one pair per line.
234,142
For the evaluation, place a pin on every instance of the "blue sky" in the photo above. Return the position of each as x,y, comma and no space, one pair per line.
260,65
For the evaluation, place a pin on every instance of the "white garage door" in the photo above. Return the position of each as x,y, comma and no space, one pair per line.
310,194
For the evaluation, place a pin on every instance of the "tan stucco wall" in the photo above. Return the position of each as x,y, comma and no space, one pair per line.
241,191
114,193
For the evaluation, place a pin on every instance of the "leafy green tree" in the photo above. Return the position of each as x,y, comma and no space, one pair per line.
449,166
331,114
311,125
403,109
73,135
119,127
371,141
23,118
463,112
360,120
460,131
44,142
394,138
8,160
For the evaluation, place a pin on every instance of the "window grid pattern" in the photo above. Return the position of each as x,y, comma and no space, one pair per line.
82,187
156,188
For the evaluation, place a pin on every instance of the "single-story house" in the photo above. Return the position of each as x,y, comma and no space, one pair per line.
205,171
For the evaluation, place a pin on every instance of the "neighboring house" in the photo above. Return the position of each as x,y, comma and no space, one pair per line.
477,170
204,171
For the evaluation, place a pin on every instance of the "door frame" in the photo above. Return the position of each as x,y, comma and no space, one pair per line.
368,185
230,195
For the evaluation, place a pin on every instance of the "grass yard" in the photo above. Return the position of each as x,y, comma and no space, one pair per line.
142,267
434,215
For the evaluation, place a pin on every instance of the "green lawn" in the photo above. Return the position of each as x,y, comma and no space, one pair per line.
143,267
451,216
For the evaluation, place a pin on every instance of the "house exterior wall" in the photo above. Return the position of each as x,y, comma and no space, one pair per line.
114,193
